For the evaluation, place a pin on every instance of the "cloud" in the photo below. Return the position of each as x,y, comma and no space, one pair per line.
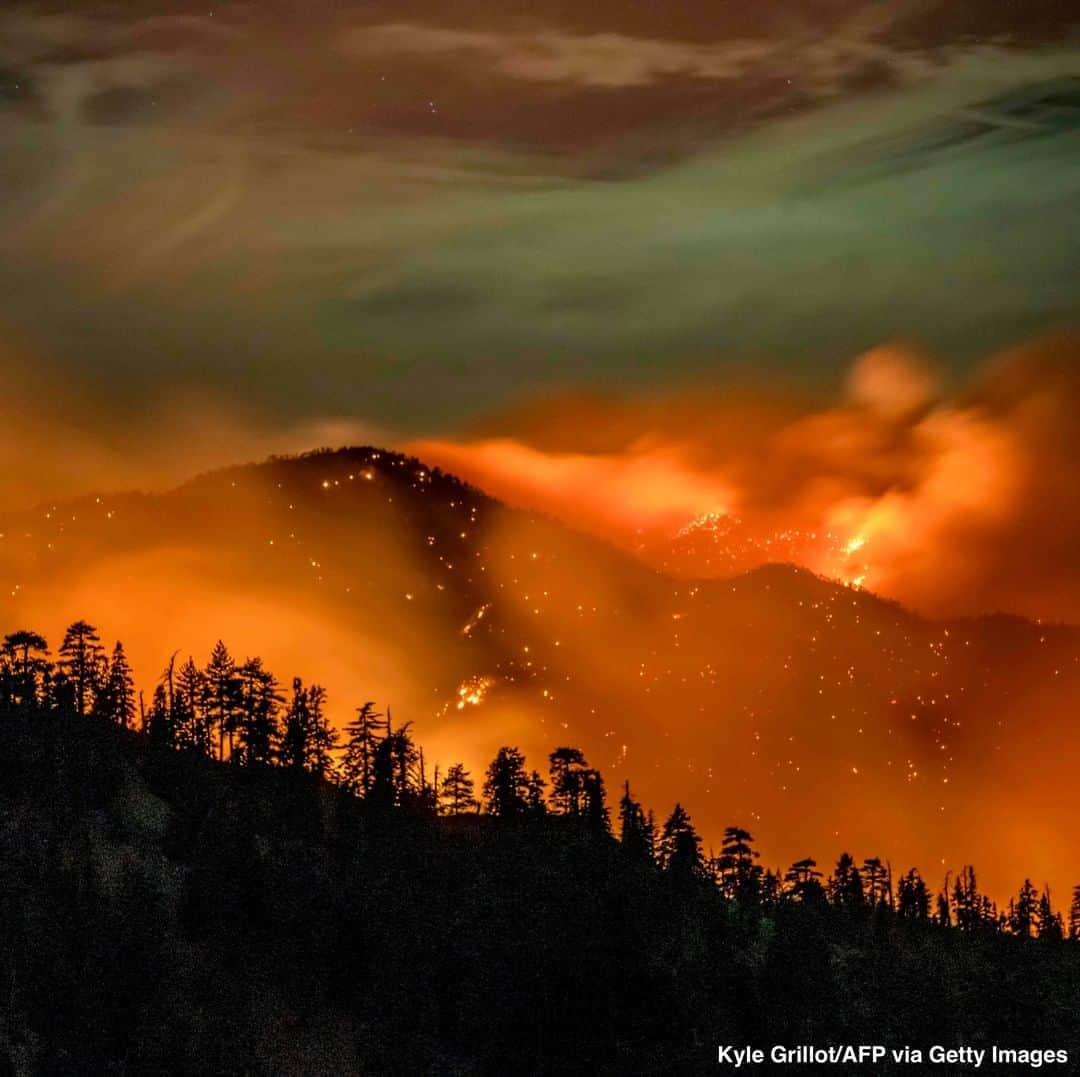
892,381
610,60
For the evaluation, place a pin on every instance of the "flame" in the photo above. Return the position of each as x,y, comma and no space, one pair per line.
472,690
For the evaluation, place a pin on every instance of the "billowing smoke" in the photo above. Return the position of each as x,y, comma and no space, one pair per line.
959,501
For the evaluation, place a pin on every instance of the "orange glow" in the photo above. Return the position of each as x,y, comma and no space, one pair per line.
816,715
932,501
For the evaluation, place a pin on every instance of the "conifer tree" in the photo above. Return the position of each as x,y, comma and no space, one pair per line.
943,904
567,768
680,847
362,737
259,707
457,791
913,898
506,785
221,692
634,831
804,880
296,746
24,665
1024,910
875,878
1048,923
117,702
323,735
967,900
191,728
160,719
535,804
594,807
81,658
1074,915
738,872
844,888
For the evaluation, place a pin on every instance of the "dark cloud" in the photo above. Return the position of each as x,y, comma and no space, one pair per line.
410,217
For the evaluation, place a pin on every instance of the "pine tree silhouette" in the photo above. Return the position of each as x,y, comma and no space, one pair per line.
566,770
457,791
24,665
1074,915
1048,923
221,694
535,804
804,880
913,900
680,846
506,785
258,714
81,660
190,724
117,702
737,872
362,737
1024,910
323,736
635,832
845,886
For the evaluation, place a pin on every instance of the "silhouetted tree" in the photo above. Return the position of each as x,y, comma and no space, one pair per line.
943,905
972,909
81,661
635,834
771,890
159,726
738,874
875,878
506,785
258,713
457,791
162,717
680,846
594,807
323,736
535,804
1074,915
567,767
1048,923
117,697
192,730
362,737
295,750
804,880
24,665
913,897
844,888
1023,911
221,695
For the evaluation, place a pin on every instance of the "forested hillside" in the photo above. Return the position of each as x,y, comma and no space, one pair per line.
225,885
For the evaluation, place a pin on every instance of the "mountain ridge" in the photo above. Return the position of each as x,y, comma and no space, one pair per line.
775,697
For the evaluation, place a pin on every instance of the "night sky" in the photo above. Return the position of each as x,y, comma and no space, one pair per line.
403,219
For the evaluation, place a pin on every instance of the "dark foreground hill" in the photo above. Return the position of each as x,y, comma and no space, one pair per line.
162,913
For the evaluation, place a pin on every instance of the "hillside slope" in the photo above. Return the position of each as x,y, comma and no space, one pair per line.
809,711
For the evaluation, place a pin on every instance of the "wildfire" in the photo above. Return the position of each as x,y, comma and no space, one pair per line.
476,618
472,690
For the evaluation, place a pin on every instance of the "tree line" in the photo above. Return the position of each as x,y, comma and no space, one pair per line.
239,714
